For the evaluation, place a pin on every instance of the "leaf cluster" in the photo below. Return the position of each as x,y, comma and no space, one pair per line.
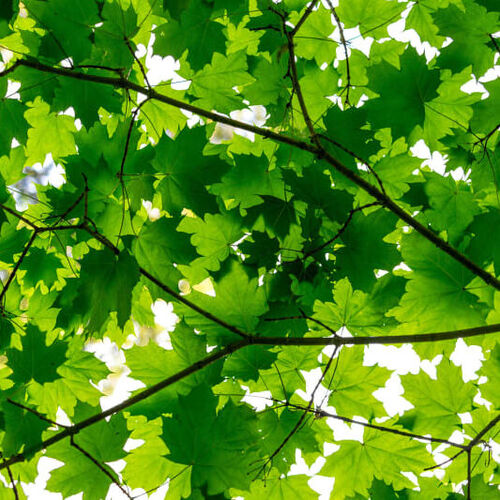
287,244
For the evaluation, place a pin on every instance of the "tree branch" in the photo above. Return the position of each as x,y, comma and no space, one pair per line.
11,478
13,273
292,73
304,17
315,149
36,413
342,228
430,439
146,393
483,432
231,348
383,339
346,52
301,419
100,466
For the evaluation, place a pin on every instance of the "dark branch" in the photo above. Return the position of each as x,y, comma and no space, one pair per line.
346,52
11,478
478,438
315,149
36,413
304,17
301,419
13,273
141,396
495,43
100,466
341,230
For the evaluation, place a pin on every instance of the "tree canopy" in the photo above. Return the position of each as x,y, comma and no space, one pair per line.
287,243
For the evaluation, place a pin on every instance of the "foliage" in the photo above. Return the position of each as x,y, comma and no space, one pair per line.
314,226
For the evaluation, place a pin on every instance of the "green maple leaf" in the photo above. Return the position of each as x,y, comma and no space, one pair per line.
275,429
146,466
159,246
48,133
395,173
40,266
247,363
106,285
187,172
14,126
452,107
469,29
104,443
365,250
268,87
409,89
159,117
239,300
439,401
352,388
420,19
353,309
77,374
210,441
373,17
380,455
212,237
349,129
195,32
151,364
36,360
317,85
248,181
284,377
213,85
22,429
86,99
436,286
311,40
117,25
68,27
453,205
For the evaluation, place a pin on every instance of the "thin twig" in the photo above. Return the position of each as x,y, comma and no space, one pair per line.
304,317
292,73
122,165
357,157
141,396
139,63
480,435
437,466
342,228
346,51
325,414
18,216
468,473
11,478
301,419
38,414
13,273
100,466
492,38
